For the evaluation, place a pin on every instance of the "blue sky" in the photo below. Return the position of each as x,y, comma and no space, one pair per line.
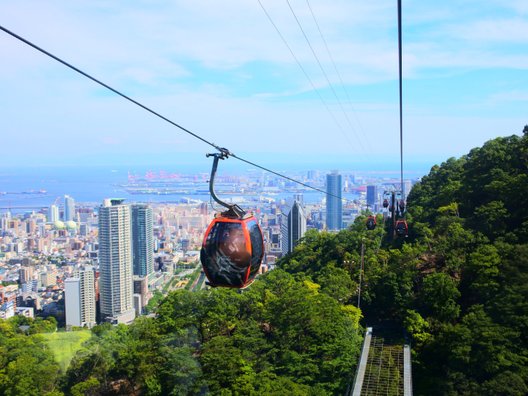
221,70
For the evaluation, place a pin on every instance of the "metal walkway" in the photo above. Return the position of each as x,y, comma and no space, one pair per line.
383,369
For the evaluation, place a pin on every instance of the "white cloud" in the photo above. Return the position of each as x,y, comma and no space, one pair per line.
186,59
510,96
499,30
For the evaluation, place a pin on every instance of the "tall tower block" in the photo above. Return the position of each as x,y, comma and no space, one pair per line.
334,204
115,262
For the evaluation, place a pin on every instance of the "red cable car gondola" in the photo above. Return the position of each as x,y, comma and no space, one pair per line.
371,223
401,205
401,228
233,246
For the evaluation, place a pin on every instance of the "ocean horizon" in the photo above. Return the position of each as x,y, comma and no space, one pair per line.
20,186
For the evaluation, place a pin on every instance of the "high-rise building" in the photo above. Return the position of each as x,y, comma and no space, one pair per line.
334,204
79,299
283,223
53,214
142,240
25,274
296,225
115,262
69,208
372,196
312,175
141,288
48,278
138,304
299,198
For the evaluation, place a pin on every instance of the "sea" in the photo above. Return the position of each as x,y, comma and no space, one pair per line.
24,189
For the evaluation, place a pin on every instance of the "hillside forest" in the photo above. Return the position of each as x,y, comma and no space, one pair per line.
456,288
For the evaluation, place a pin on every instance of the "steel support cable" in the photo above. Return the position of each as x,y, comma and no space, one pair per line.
325,75
305,73
106,86
334,64
221,149
400,82
287,178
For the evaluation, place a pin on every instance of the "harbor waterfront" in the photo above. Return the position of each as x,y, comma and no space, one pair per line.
24,189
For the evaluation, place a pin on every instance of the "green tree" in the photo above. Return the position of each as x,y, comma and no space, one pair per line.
439,297
417,327
27,367
90,387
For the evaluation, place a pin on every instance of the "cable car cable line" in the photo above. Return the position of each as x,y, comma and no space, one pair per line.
305,74
334,64
222,150
401,228
107,86
394,200
325,74
288,178
400,83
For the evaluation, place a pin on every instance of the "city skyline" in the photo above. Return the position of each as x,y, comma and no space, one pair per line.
89,186
223,72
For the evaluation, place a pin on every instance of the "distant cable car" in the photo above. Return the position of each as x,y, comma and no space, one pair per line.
371,223
385,203
233,246
401,204
401,228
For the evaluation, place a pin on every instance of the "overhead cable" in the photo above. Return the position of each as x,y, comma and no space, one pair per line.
305,73
400,81
335,65
106,86
221,149
324,73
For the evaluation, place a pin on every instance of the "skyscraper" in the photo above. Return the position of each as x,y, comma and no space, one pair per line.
53,214
372,196
115,262
25,274
69,208
296,225
283,223
79,299
142,240
334,204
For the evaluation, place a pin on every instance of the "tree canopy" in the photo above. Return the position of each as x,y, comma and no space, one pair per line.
458,286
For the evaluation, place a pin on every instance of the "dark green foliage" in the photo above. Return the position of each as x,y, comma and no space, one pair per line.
438,297
488,186
134,358
473,290
459,284
27,366
280,335
279,328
